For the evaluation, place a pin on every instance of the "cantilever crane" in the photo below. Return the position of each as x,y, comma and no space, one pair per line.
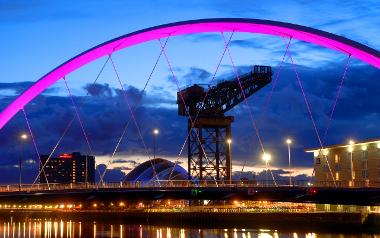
209,154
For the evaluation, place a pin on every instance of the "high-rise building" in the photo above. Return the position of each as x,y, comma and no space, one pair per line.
68,168
355,164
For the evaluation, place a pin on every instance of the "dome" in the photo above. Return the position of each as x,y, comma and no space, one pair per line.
163,168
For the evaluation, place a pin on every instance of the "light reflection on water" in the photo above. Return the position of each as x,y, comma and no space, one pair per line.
70,229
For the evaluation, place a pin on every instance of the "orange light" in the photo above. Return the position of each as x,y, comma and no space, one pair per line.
66,156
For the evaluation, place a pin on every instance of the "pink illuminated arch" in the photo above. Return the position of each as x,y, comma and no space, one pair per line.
322,38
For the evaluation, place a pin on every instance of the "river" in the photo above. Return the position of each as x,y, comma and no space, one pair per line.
88,229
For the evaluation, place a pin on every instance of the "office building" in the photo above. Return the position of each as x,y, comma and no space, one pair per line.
68,168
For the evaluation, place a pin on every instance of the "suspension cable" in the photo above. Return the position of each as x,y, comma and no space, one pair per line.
203,101
337,98
54,149
35,145
274,84
310,113
244,96
78,117
184,103
133,116
71,121
79,120
127,124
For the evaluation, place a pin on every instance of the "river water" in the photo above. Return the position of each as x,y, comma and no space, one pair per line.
89,229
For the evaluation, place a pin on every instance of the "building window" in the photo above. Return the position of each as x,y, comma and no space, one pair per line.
365,154
365,164
365,174
337,159
317,160
337,176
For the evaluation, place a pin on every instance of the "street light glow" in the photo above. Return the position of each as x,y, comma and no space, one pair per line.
156,131
229,141
266,157
288,141
351,142
24,136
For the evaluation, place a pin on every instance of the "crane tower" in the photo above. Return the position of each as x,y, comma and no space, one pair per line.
209,130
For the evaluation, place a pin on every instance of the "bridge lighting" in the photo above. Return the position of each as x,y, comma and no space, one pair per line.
378,145
121,204
364,147
229,141
351,142
350,149
325,152
95,205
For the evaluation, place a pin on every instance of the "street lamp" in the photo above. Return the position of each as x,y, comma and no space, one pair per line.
229,141
288,142
266,157
351,150
156,132
23,138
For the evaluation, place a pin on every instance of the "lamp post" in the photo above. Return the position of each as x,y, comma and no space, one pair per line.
229,141
288,142
351,150
155,134
266,157
23,137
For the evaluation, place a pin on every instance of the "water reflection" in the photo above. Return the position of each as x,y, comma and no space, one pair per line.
69,229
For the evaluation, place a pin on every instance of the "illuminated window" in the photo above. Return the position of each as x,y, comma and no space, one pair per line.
337,158
336,176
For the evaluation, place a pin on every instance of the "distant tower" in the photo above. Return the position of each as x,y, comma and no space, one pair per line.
69,168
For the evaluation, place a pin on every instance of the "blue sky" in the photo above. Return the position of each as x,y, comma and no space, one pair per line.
39,35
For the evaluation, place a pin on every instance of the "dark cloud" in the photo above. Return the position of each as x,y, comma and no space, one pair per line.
99,90
196,75
104,118
122,168
119,161
244,43
18,87
204,37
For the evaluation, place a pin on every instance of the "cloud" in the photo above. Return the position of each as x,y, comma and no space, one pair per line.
99,90
104,118
196,75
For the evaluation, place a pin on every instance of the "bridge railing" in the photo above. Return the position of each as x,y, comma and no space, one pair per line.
140,184
164,183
